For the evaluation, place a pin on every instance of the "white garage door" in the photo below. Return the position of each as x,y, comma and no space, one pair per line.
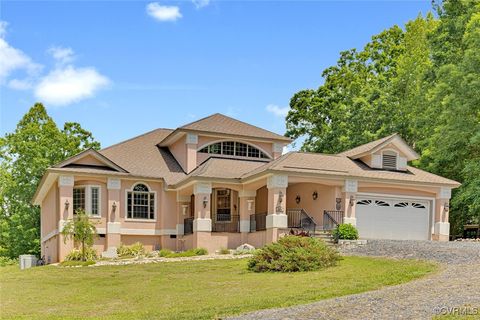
400,219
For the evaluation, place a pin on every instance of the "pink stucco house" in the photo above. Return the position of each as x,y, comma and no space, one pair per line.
219,182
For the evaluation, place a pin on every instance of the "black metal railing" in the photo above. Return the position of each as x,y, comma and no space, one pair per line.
188,226
331,219
299,219
258,222
226,223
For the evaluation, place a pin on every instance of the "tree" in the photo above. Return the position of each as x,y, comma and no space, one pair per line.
25,154
81,230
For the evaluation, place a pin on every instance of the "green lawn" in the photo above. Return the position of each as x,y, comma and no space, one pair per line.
186,290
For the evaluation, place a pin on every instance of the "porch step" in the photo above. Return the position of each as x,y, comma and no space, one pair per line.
326,236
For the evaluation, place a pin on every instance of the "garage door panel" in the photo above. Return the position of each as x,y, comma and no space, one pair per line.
379,218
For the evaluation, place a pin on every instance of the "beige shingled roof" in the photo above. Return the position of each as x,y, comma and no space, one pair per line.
342,166
224,168
141,156
221,124
367,146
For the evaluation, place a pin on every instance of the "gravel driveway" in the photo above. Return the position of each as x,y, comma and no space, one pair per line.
456,286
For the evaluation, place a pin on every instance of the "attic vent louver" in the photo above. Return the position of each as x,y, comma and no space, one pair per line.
389,161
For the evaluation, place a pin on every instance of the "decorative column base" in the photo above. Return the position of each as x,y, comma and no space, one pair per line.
277,221
441,231
349,220
202,225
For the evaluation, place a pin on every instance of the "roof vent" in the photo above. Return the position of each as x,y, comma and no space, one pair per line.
389,161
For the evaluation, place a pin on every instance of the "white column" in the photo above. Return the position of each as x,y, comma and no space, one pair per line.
350,189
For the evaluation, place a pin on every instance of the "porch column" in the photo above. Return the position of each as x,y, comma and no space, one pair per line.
247,207
113,217
65,205
202,223
442,206
183,211
277,207
350,189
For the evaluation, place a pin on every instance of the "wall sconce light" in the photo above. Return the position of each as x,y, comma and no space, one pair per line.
114,207
250,205
184,209
446,207
298,199
352,201
315,195
205,202
67,205
338,203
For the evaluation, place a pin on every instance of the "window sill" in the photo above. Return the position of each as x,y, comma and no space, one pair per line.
140,220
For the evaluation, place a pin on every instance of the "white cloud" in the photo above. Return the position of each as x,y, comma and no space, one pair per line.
18,84
277,111
200,3
163,13
67,85
3,28
12,59
62,55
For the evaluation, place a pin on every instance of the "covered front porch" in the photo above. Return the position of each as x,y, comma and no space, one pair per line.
227,215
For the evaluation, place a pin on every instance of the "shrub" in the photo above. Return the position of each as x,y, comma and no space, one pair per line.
293,253
189,253
76,255
6,261
345,231
77,263
164,252
223,251
135,250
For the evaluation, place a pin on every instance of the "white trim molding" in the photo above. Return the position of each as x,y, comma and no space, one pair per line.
445,193
191,138
150,190
247,193
277,221
49,235
66,181
442,228
113,184
202,225
244,225
114,227
202,188
350,186
277,181
147,232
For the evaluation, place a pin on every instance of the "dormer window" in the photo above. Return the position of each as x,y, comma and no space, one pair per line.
234,148
389,160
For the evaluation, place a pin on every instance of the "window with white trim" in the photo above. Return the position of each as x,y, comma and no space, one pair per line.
234,148
140,203
88,199
389,160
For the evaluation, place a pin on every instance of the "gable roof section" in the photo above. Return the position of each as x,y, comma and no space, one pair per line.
221,124
376,145
143,158
340,166
103,163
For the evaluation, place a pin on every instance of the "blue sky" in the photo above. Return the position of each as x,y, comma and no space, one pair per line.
122,68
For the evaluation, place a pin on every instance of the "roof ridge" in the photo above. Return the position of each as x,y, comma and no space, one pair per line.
201,119
136,137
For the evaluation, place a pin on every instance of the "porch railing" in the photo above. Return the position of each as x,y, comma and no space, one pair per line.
226,223
188,225
331,219
258,222
299,219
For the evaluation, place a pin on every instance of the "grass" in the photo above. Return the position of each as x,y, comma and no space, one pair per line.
186,290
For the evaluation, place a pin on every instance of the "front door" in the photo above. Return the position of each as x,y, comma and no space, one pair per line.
223,205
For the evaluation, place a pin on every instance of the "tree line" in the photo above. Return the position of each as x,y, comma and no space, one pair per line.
422,81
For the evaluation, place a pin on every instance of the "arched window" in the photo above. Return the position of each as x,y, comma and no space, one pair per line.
140,203
234,148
